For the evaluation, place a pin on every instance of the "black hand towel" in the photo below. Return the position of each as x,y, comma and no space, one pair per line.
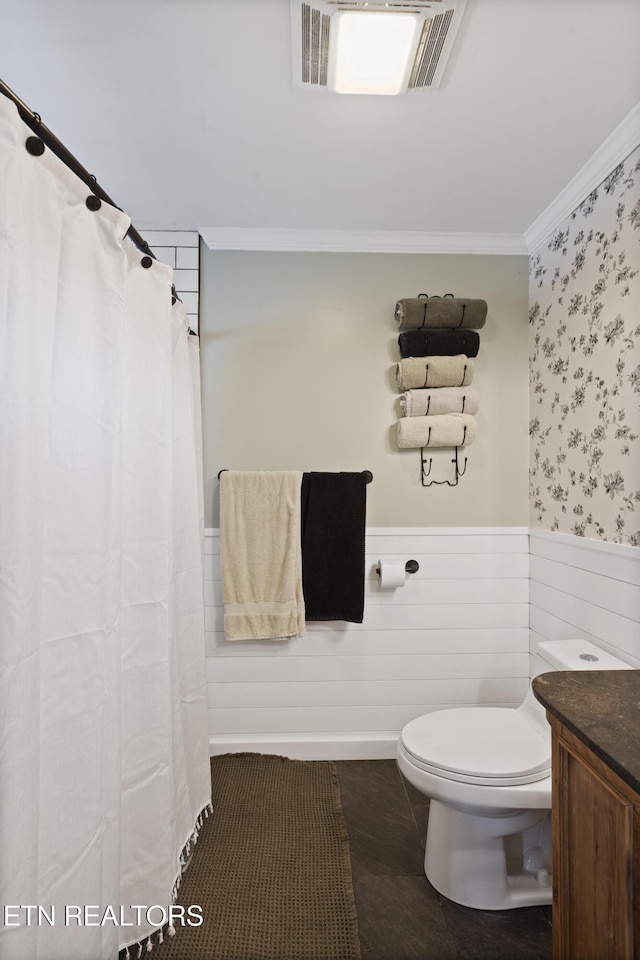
333,536
438,343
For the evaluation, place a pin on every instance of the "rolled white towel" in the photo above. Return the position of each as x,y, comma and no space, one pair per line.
442,430
420,403
421,372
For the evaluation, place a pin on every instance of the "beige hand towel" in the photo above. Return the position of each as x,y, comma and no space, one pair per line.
418,312
261,554
420,403
420,372
443,430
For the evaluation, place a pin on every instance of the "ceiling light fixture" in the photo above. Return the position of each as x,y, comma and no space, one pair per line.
372,47
374,52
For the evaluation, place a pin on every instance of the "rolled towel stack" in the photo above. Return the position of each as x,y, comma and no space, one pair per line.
421,403
444,343
421,372
443,430
419,312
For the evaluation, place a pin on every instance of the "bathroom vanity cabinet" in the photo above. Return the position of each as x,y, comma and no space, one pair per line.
595,722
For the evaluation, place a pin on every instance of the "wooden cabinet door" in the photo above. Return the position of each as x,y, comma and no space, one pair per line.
593,916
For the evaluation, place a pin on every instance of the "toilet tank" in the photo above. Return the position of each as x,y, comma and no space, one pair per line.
565,655
575,655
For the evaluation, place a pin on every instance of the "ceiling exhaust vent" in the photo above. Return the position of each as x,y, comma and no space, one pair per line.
314,31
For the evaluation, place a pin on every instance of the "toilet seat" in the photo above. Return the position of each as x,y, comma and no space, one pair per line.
490,746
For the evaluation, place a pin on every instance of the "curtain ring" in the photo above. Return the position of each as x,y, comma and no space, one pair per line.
34,146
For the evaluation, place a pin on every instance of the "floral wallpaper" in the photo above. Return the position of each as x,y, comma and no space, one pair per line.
585,366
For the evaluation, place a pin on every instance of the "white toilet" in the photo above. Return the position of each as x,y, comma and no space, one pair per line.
487,771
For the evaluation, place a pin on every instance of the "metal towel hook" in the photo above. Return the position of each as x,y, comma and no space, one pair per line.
459,472
425,297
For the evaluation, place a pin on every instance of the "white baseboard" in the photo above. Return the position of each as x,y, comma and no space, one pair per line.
335,746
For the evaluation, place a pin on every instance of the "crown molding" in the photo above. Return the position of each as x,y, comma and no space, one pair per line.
361,241
616,148
624,139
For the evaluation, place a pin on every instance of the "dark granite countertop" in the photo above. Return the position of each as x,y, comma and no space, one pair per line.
602,708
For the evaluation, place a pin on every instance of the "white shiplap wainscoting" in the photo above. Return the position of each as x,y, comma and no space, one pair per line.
455,635
585,588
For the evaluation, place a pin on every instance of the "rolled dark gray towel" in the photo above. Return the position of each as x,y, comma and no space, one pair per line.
419,312
443,343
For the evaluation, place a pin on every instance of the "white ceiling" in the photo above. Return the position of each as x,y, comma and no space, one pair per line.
186,113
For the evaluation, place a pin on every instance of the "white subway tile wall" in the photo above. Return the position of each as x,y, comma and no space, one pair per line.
180,249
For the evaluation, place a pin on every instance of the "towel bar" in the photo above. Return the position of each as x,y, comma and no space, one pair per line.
368,476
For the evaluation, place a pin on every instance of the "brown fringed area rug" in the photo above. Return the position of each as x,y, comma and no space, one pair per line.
271,869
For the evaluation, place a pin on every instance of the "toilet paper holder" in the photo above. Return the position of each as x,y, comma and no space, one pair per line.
411,566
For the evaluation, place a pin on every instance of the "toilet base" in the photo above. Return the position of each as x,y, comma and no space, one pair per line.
479,861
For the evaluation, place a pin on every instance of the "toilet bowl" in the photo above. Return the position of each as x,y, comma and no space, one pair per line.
487,772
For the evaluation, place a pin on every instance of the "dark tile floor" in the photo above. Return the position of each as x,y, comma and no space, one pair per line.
401,916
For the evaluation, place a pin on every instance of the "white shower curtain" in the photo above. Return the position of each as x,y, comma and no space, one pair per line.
104,768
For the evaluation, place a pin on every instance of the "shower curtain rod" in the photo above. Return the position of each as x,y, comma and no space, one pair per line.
34,122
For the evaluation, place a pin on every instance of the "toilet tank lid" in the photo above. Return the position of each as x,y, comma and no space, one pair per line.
578,654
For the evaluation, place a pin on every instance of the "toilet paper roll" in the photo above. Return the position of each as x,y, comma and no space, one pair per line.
392,574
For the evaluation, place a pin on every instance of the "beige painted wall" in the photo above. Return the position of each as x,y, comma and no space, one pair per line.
298,354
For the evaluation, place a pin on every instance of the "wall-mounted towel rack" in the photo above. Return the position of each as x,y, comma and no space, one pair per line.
435,297
368,476
426,376
435,315
461,410
458,472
